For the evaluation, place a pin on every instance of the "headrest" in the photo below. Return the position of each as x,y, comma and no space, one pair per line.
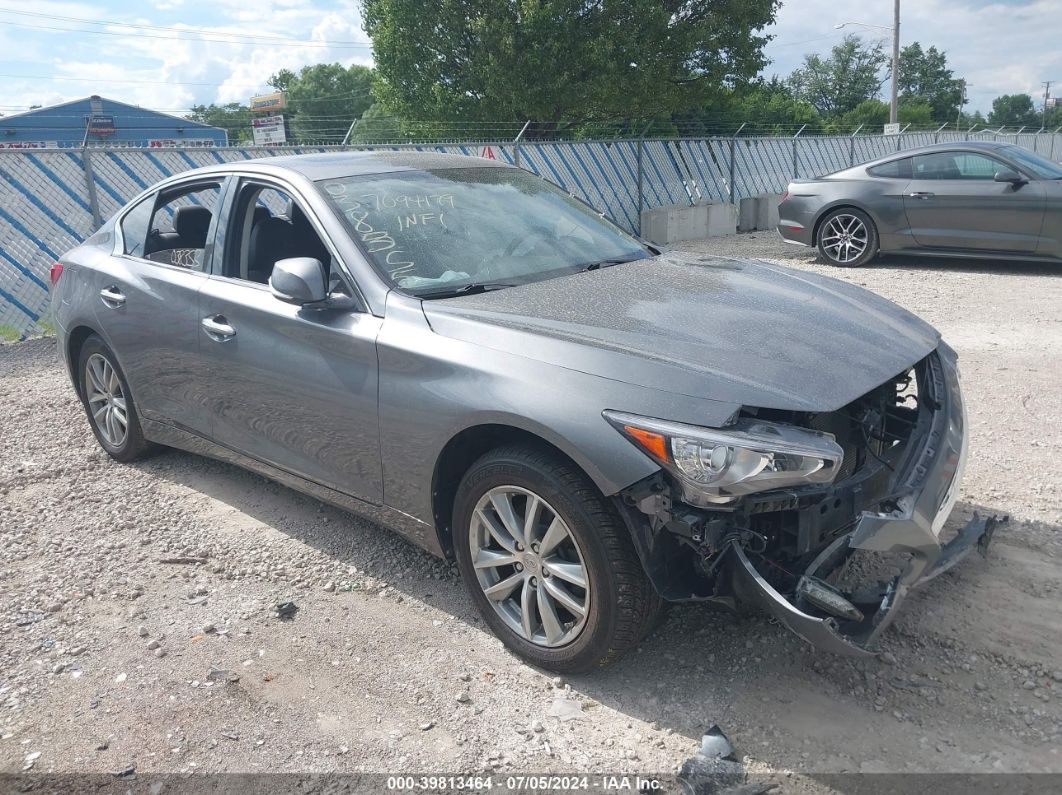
192,223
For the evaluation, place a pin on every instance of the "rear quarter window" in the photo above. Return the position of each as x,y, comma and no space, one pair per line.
135,226
894,169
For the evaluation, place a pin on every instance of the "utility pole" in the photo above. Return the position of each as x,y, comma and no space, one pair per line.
894,106
1047,96
963,85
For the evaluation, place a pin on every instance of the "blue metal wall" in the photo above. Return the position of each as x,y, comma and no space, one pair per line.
68,125
45,201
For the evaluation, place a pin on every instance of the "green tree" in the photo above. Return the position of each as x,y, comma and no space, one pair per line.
1053,119
975,119
873,114
835,85
323,99
233,118
377,125
925,76
1014,110
561,63
766,107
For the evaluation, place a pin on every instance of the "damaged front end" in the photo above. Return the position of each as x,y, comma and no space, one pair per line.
831,561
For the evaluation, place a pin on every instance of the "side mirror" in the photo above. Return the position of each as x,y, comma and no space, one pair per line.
1009,175
299,280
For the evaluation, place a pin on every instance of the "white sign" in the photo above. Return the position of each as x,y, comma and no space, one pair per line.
29,144
892,129
269,131
180,143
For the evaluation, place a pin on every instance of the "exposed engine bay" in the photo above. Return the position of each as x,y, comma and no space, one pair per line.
832,562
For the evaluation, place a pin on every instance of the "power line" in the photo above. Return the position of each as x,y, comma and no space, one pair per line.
184,38
251,37
118,80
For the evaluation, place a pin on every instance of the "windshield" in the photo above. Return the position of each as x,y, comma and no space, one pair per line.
439,233
1039,166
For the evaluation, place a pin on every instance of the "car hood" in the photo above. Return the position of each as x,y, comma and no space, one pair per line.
738,331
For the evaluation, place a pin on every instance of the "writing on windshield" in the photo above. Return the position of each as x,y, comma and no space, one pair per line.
455,227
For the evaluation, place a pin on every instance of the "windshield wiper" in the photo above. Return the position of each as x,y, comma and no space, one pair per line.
472,288
608,263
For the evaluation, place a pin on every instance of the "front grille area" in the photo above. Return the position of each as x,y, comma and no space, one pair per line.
874,431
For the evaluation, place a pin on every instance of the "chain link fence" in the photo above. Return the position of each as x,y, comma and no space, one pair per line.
52,199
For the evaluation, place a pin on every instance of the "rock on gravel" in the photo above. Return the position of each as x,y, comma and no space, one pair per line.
385,638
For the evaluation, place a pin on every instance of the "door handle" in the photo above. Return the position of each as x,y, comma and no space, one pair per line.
112,297
921,195
218,328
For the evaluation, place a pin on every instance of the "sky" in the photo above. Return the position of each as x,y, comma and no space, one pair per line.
228,48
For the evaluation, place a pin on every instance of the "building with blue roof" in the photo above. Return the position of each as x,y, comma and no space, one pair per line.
95,121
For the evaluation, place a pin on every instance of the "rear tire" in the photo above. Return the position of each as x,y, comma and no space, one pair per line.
847,238
619,603
108,403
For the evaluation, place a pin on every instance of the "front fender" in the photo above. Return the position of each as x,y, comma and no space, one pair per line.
434,387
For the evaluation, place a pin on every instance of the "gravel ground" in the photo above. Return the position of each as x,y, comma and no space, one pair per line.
138,623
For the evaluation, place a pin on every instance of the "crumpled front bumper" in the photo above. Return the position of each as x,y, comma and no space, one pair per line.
925,488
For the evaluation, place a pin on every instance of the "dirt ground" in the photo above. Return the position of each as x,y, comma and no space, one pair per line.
138,624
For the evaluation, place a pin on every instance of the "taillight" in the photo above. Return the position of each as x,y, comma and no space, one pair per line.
55,273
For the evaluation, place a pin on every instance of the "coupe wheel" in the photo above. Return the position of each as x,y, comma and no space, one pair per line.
548,563
109,403
847,237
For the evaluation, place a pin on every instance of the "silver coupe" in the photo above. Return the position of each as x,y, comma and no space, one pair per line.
975,199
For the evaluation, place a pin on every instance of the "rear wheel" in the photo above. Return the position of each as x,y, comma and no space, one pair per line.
548,563
109,403
848,238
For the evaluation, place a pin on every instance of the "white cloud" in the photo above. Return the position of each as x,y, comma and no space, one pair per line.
1000,47
155,69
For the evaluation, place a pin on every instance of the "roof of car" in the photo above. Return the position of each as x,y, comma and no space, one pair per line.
330,165
975,146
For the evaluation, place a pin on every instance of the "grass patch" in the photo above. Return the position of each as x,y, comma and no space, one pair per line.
10,334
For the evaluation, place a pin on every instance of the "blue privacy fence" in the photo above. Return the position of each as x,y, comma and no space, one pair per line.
51,199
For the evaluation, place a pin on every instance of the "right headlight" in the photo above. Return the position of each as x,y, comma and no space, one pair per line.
717,466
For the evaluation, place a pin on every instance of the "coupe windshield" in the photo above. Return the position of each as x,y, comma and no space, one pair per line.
450,231
1039,166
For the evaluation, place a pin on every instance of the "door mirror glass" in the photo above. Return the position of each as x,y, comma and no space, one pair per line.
299,280
1008,175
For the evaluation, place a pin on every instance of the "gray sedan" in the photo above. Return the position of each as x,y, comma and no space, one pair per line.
469,356
974,199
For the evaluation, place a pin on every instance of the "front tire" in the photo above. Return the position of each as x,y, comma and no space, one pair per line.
548,562
847,238
108,402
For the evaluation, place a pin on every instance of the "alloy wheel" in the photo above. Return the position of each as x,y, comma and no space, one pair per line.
106,400
845,238
529,566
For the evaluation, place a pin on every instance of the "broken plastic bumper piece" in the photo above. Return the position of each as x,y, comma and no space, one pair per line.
843,631
927,485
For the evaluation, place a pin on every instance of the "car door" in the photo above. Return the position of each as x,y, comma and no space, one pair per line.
294,387
953,202
148,299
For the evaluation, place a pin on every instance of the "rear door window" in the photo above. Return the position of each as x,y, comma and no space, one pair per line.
180,225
